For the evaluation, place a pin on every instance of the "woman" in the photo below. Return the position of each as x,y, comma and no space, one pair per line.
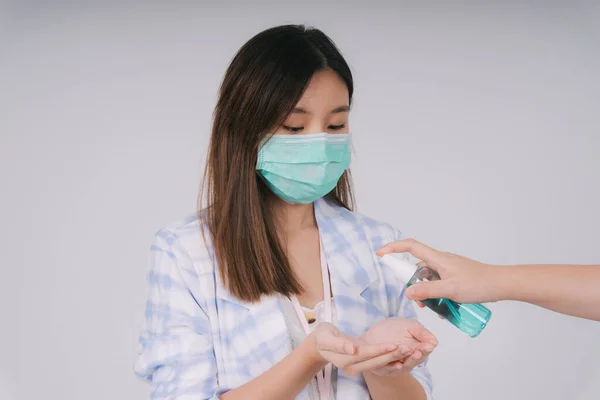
274,291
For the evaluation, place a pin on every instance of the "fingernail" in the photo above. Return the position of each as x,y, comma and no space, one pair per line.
349,348
416,357
429,348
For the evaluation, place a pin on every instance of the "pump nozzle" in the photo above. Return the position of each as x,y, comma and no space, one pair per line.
402,269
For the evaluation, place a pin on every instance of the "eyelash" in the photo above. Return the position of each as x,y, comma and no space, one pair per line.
296,129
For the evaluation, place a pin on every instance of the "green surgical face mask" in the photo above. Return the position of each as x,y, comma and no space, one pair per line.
303,168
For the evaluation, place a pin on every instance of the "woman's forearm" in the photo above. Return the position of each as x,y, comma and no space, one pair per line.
285,379
567,289
398,387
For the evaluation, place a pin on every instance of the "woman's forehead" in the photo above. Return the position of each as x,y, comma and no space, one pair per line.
326,92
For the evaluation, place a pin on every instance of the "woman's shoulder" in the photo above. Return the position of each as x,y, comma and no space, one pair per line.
189,240
347,220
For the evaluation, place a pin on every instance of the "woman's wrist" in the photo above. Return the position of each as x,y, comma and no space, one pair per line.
402,385
311,353
387,378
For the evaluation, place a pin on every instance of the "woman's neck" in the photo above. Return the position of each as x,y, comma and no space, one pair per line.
297,217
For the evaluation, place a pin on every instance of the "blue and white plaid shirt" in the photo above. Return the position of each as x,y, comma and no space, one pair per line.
199,341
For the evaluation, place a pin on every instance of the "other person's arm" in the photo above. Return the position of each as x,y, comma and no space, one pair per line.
567,289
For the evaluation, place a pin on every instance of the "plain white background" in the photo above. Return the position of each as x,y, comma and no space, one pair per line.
476,130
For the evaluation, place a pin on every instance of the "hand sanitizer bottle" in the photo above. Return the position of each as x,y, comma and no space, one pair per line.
469,318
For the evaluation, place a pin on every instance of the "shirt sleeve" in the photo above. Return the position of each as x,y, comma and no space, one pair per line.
406,310
175,350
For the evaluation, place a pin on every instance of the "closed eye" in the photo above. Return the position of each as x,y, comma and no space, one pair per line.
293,129
336,127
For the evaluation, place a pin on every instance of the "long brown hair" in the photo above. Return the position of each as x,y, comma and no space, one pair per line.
263,83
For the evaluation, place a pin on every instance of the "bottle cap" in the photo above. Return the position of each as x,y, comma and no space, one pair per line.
402,269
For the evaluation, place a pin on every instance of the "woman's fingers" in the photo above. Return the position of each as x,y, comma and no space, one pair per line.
421,334
336,342
426,349
417,358
369,351
345,344
366,356
374,363
428,340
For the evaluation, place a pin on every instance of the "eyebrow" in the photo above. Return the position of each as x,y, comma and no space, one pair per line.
340,109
